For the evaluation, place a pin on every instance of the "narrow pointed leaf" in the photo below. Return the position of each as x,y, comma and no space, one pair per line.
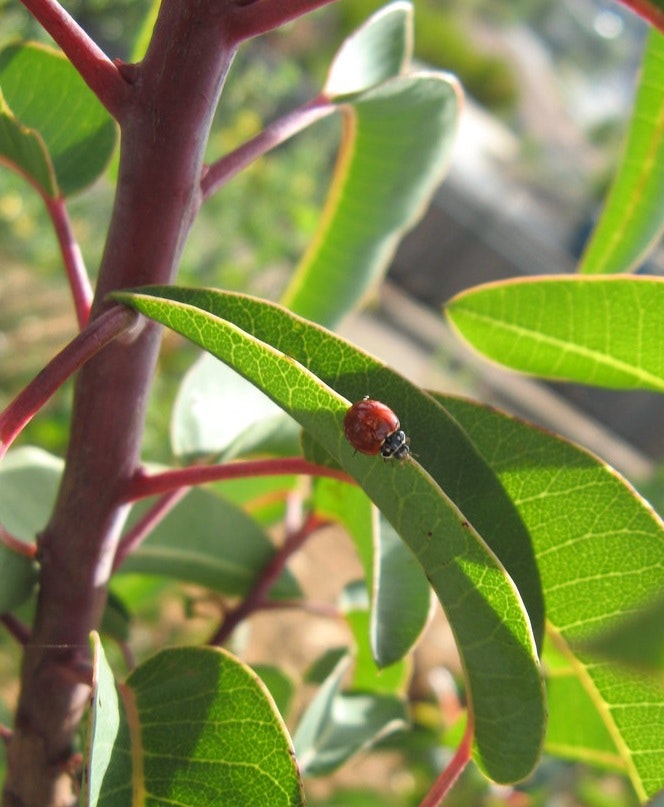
399,591
335,726
633,217
599,548
395,146
196,727
379,50
484,608
47,95
602,331
108,770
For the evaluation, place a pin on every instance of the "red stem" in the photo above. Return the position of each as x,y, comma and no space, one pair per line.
448,777
140,531
95,68
79,281
651,12
257,597
16,628
254,17
29,401
220,172
142,485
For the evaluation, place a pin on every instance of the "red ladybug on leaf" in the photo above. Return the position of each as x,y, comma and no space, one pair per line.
371,427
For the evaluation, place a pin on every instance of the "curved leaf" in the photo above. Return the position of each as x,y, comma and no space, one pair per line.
395,147
379,50
599,548
483,606
633,217
29,481
602,331
336,726
214,405
193,727
52,102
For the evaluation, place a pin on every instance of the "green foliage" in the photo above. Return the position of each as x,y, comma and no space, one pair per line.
546,562
441,39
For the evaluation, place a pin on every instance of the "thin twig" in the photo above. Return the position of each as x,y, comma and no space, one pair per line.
16,628
220,172
254,17
79,282
448,777
104,329
258,596
140,531
96,69
143,485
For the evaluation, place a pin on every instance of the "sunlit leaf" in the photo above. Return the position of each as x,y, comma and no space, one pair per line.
602,331
300,365
398,130
633,217
599,548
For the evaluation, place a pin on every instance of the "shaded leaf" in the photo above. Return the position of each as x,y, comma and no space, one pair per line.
194,727
602,331
47,95
335,727
211,542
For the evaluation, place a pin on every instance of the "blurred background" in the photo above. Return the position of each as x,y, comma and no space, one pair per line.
549,87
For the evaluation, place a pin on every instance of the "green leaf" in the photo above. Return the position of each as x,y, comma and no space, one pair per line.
47,95
213,407
396,143
198,542
400,592
633,217
194,727
602,331
278,684
29,481
335,727
299,365
24,150
637,641
107,776
29,484
379,50
599,548
367,676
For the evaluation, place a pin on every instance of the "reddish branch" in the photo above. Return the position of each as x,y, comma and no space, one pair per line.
249,18
96,69
31,399
220,172
258,596
73,260
454,769
165,107
143,485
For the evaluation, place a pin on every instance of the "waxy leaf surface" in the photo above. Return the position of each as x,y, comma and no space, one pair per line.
307,370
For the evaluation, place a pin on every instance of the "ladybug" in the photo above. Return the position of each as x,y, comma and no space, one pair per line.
371,427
